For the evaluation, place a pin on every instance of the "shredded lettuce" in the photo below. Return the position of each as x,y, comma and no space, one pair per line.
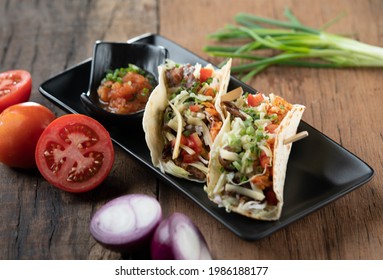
241,148
171,168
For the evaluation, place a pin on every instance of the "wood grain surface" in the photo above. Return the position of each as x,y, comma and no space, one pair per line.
38,221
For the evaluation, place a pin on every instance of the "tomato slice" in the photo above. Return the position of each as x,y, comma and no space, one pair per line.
75,153
194,108
15,87
189,158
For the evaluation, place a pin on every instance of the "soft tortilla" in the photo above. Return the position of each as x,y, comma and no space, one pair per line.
153,120
153,117
287,128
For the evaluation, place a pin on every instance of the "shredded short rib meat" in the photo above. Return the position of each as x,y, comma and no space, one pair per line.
232,109
196,173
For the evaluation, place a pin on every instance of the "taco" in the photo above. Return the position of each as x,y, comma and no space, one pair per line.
181,119
248,160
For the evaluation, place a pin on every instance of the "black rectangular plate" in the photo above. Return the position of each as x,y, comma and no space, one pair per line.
319,170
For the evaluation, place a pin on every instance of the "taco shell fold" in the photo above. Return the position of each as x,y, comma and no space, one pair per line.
252,203
157,134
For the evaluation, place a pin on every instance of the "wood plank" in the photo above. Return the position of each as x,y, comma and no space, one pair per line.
46,37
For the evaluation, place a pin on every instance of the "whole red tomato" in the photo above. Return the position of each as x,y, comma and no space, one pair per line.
20,128
15,87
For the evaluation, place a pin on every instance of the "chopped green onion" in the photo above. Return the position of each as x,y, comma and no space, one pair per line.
116,75
292,44
186,133
237,165
250,130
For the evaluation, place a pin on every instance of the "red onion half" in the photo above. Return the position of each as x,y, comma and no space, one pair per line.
177,238
126,222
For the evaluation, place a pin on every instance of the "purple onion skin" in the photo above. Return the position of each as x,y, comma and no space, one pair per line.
161,248
165,244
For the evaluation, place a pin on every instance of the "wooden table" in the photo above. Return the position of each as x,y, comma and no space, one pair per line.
38,221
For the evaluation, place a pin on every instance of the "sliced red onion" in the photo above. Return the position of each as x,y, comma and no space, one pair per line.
177,238
126,222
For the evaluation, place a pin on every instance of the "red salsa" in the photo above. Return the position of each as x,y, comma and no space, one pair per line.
126,90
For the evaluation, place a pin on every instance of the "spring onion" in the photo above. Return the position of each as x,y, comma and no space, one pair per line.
291,43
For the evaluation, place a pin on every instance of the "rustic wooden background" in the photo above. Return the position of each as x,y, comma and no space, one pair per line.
38,221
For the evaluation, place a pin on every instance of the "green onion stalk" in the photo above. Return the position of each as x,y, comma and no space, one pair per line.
292,43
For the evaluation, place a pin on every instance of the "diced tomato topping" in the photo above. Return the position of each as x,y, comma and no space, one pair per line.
195,142
184,141
264,160
271,127
194,108
209,92
254,100
204,74
187,158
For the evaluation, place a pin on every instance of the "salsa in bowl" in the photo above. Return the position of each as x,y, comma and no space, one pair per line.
123,75
126,90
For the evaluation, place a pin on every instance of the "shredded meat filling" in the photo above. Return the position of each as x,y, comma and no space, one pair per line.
233,110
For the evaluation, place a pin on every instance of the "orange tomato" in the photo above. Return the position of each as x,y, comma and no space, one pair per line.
20,128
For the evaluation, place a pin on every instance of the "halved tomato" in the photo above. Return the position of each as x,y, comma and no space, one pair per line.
75,153
15,87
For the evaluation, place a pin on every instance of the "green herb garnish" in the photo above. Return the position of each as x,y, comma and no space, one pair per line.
116,75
